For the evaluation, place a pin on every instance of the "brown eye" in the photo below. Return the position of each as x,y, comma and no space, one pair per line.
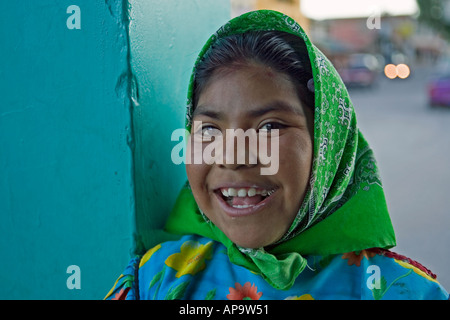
267,127
209,131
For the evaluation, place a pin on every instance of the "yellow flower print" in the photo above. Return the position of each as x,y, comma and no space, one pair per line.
148,255
416,270
191,258
302,297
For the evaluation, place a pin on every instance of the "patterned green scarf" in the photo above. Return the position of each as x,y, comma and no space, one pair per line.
344,209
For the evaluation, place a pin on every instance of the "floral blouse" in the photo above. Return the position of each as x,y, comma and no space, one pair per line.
197,268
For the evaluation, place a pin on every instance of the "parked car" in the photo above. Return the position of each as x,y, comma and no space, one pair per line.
438,87
361,70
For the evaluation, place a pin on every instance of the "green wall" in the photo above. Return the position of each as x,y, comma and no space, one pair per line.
66,189
166,37
69,194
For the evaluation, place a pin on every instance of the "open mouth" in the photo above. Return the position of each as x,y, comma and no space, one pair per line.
241,198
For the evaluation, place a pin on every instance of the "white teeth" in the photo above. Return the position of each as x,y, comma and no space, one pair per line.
251,192
242,193
242,206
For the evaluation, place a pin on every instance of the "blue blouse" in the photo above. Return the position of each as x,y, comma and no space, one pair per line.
198,268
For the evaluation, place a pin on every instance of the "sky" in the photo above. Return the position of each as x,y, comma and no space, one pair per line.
329,9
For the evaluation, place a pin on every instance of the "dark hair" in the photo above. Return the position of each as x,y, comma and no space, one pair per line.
281,51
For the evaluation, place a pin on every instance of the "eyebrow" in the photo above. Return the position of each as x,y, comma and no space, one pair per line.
205,111
258,112
273,107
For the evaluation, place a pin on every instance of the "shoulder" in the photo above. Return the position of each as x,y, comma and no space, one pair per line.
166,271
178,254
406,262
185,256
123,288
389,275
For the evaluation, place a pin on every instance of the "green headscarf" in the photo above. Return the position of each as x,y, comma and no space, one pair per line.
345,208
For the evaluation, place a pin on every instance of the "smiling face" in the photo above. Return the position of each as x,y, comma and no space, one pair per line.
253,210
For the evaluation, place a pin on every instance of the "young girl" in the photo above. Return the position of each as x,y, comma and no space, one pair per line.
317,227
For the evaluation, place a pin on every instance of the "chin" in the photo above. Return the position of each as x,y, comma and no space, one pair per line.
255,242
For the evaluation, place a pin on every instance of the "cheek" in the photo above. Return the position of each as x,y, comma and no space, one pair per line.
296,151
197,176
295,166
194,168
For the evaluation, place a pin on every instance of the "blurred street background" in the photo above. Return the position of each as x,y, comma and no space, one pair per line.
394,58
410,141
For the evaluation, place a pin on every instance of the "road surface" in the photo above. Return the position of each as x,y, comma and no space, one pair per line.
411,142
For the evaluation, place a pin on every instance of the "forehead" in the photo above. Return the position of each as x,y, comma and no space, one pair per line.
249,74
249,87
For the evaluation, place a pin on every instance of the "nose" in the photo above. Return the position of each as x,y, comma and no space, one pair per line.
240,149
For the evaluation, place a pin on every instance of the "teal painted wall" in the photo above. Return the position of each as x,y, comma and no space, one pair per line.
166,37
66,188
69,194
